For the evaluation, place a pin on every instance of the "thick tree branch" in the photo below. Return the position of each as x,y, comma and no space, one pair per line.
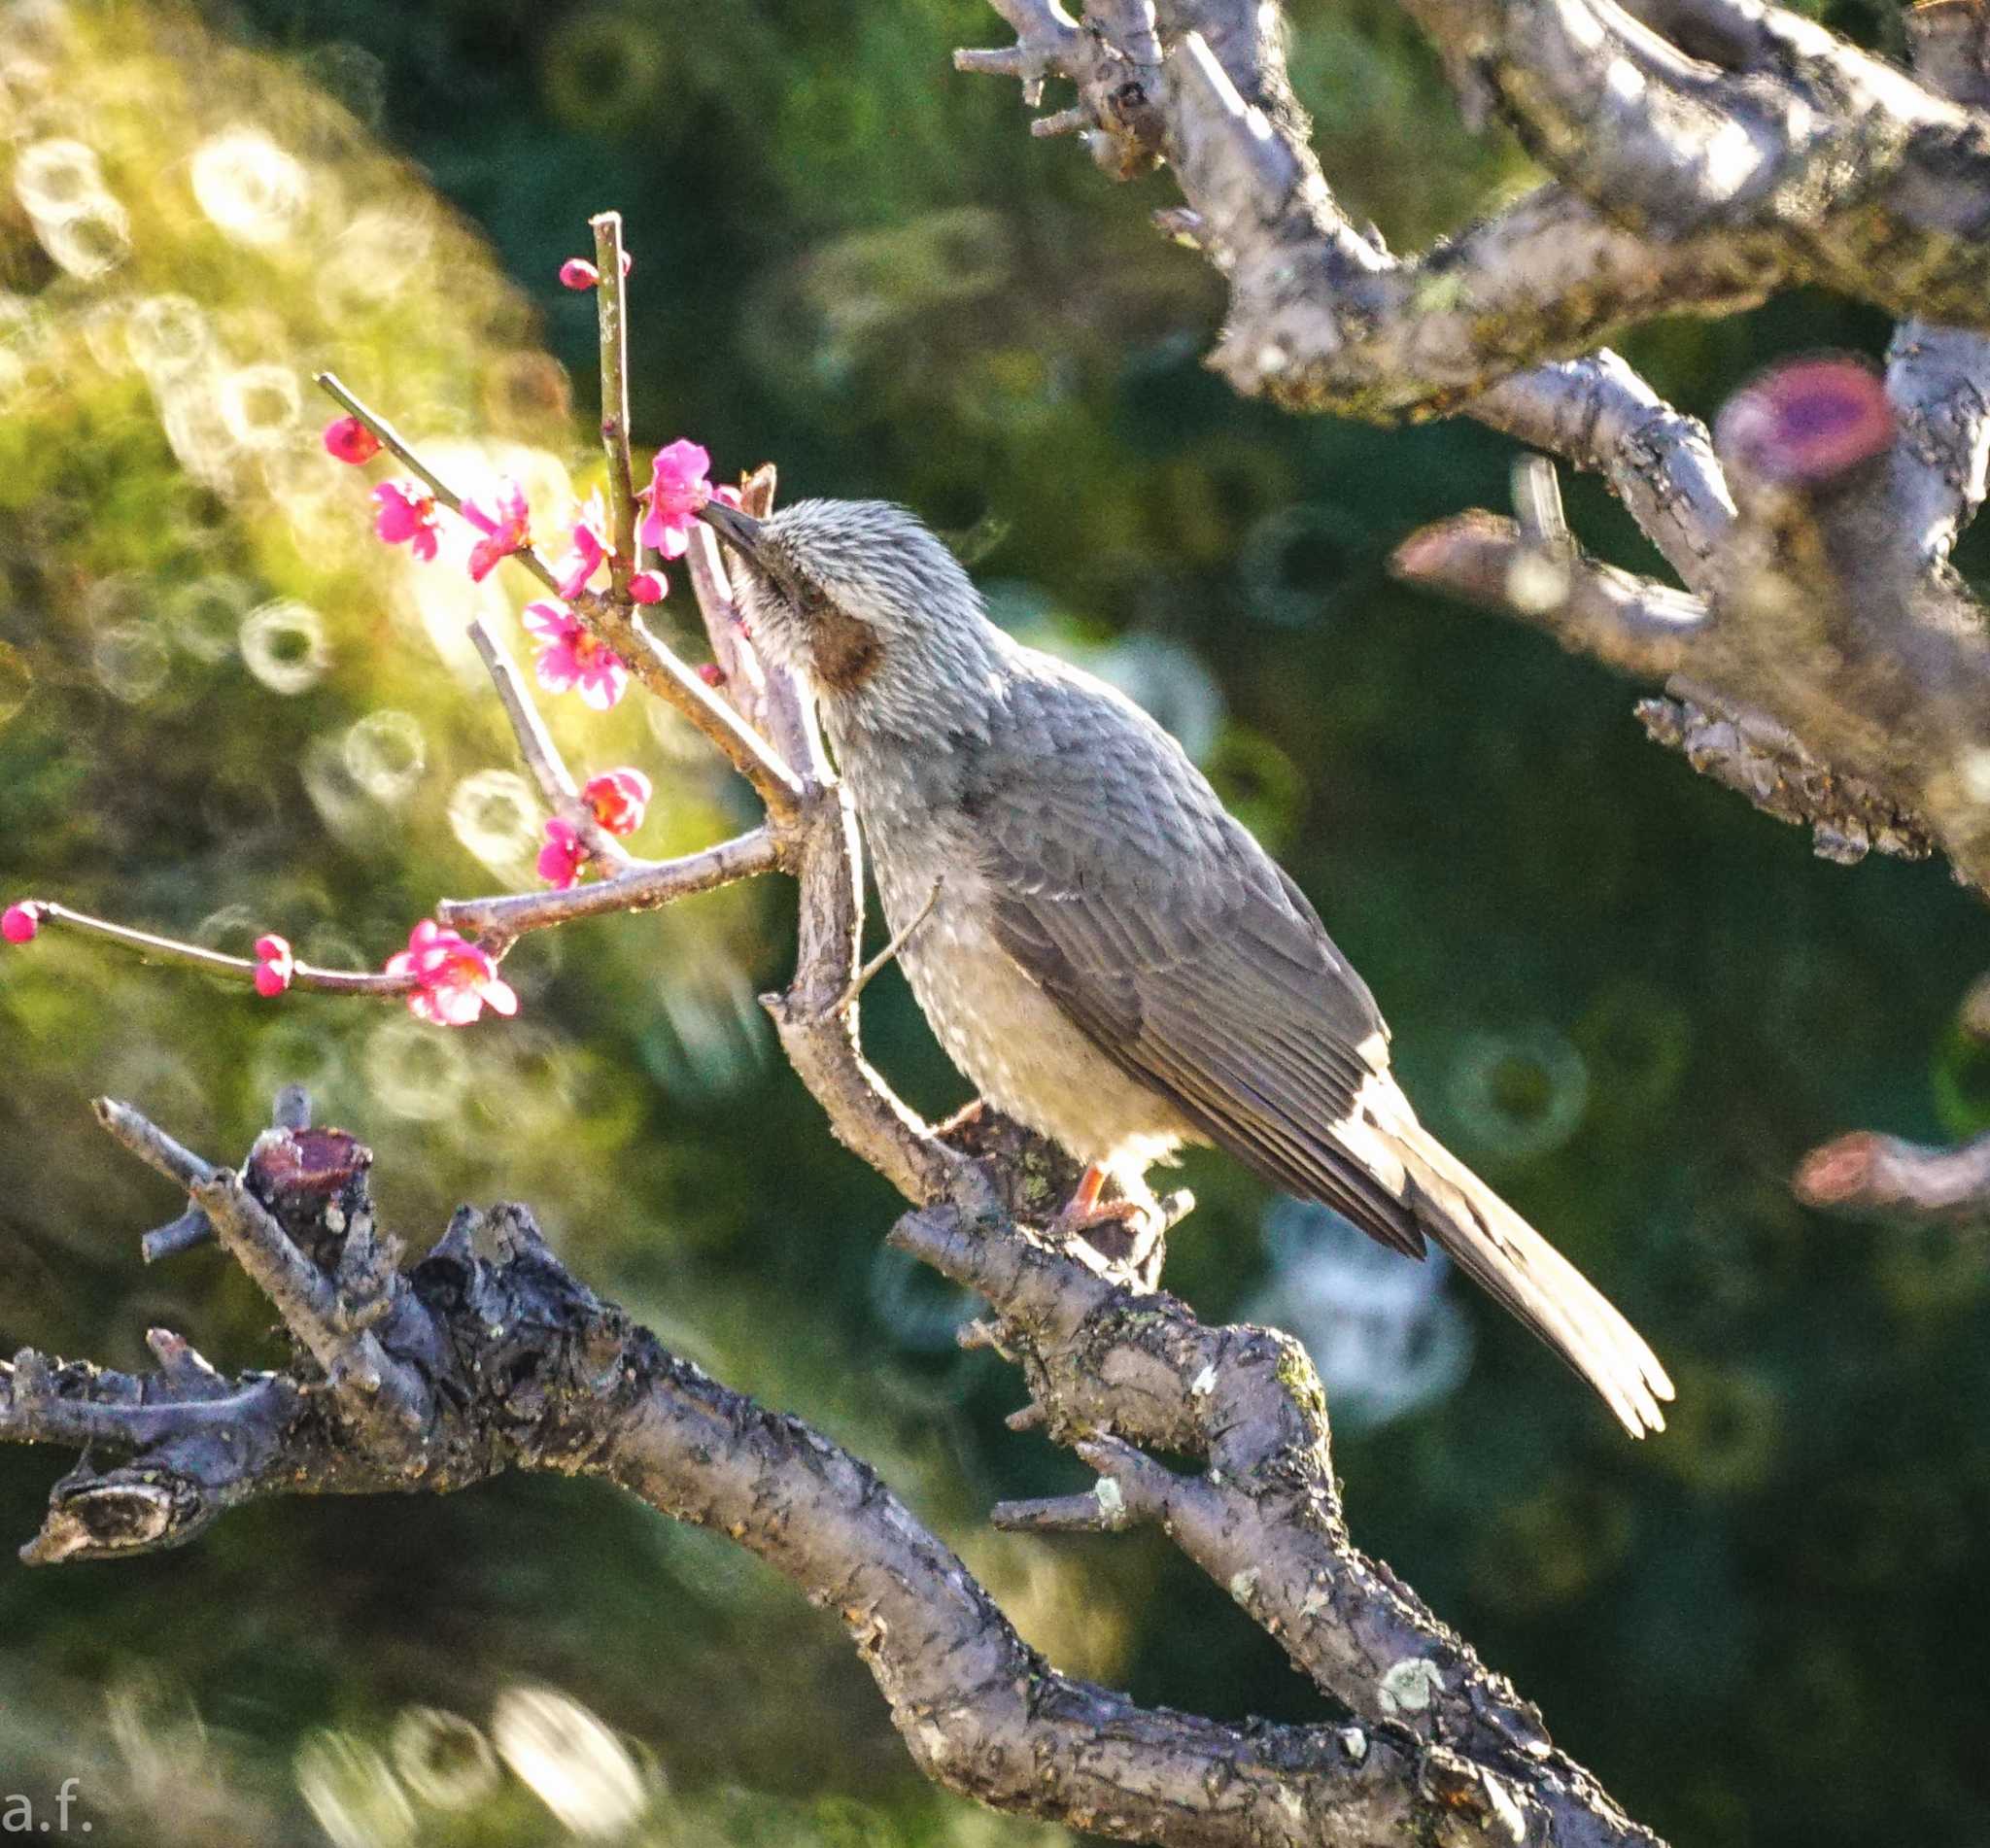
1119,1372
487,1355
1832,165
1324,318
1834,674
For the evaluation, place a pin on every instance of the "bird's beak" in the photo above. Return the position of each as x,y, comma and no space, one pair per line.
740,531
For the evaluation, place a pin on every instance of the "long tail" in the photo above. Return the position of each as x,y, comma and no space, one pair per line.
1494,1244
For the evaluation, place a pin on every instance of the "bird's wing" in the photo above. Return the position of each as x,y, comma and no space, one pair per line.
1154,920
1169,937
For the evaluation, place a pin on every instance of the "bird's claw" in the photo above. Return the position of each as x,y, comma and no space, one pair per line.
1128,1235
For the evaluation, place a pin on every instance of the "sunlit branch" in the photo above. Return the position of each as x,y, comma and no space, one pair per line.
611,293
498,922
541,754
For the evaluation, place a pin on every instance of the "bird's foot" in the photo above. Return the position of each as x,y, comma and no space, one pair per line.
1130,1235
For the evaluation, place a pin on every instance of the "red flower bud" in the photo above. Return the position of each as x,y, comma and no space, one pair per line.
349,440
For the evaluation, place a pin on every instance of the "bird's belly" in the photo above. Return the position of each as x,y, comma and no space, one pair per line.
1012,1042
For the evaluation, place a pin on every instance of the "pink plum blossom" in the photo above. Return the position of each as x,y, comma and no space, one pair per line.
454,980
564,857
592,548
679,485
274,966
408,517
571,660
618,797
19,923
648,586
349,440
501,517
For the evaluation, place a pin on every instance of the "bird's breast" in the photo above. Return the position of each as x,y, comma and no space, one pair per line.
1004,1033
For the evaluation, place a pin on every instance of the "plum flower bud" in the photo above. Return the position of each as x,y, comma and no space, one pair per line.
619,799
563,858
19,923
648,586
349,440
711,673
274,966
579,273
679,485
501,517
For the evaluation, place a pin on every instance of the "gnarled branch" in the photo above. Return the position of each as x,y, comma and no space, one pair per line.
487,1355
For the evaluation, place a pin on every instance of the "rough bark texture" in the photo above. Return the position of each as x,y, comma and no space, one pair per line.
487,1355
1823,661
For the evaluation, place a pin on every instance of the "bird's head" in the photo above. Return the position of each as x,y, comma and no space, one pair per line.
865,605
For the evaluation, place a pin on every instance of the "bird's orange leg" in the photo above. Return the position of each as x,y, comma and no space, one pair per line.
1124,1232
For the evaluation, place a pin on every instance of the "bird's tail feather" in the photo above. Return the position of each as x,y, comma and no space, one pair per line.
1489,1241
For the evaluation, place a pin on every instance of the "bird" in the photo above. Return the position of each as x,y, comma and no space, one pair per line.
1106,952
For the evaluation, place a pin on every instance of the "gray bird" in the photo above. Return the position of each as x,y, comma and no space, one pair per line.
1111,957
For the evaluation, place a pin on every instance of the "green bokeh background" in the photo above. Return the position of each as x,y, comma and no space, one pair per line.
1627,997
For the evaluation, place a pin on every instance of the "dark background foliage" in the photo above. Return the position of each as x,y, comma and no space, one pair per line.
1628,998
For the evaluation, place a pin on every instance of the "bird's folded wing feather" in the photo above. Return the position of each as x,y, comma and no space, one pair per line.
1171,940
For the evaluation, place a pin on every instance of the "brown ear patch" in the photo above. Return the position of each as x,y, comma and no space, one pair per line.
845,649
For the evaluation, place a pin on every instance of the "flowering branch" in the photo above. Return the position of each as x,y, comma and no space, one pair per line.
614,620
497,923
154,949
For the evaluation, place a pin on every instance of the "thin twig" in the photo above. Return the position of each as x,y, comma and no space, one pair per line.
861,980
1103,1511
138,1135
192,1227
152,948
611,293
541,754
